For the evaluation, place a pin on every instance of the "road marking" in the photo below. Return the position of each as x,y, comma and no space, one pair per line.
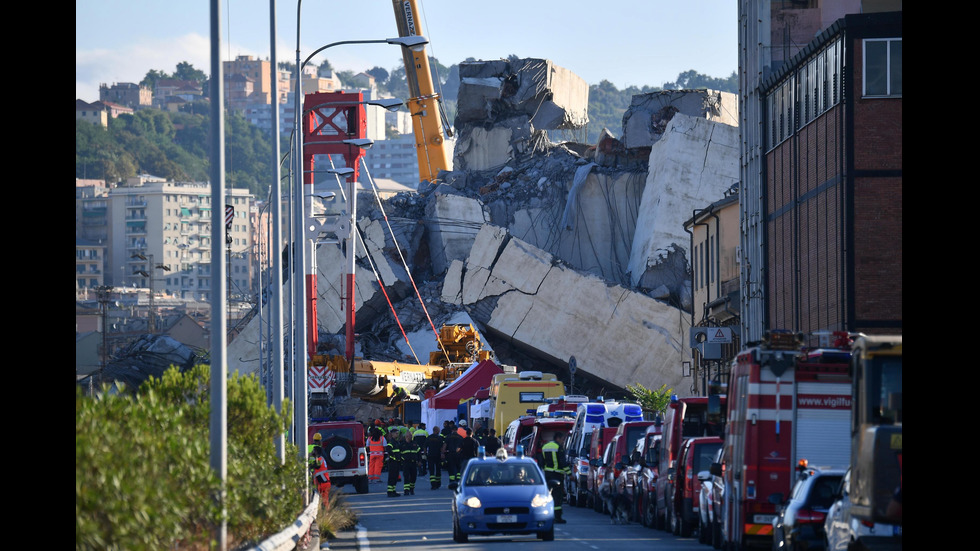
362,539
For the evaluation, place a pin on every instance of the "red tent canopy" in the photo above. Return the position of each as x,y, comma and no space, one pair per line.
466,386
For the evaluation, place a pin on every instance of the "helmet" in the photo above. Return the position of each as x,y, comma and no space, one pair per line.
377,422
462,422
317,437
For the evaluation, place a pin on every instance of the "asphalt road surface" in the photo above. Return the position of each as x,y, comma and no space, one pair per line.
424,521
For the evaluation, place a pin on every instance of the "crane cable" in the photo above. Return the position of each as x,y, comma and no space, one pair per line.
381,282
377,197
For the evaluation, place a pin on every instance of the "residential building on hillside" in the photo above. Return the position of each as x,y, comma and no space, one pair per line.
256,71
129,94
821,166
395,159
166,88
99,112
91,206
89,265
160,237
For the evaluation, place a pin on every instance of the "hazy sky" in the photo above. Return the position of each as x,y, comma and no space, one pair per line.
627,42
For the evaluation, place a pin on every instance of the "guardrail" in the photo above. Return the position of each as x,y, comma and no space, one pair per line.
288,539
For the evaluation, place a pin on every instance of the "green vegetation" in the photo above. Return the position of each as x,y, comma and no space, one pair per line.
143,478
655,400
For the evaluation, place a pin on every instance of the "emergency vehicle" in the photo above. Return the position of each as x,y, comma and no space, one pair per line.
785,403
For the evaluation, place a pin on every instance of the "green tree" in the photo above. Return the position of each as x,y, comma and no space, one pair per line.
654,400
142,465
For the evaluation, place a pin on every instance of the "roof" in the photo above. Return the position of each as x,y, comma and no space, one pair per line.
466,386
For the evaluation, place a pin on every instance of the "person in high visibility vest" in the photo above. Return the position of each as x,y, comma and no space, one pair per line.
419,435
321,478
555,468
314,448
433,451
376,454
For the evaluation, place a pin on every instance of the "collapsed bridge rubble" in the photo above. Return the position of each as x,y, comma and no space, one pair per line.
556,249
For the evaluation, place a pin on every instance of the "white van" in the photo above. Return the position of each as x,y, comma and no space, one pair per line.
590,415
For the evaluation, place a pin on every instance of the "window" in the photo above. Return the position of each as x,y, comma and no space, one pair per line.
883,67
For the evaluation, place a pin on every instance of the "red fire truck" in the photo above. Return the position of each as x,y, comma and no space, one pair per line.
786,402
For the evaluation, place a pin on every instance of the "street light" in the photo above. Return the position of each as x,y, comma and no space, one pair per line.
301,339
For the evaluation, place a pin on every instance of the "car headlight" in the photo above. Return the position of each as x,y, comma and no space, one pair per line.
473,502
541,500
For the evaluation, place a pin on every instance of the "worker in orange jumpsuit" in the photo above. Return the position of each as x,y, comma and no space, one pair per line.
321,479
376,454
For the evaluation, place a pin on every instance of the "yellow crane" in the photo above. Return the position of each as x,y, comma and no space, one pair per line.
425,104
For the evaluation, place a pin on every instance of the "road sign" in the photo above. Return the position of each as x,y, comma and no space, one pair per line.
229,216
572,365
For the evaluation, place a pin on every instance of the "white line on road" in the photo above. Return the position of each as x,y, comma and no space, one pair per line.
362,539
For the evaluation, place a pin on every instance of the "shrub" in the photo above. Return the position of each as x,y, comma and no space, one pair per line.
143,478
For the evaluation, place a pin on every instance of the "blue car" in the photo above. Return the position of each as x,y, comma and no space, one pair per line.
503,495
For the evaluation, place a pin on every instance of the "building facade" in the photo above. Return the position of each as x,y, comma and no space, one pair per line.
161,237
777,38
833,180
129,94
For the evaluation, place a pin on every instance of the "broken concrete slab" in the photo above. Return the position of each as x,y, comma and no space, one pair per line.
535,302
691,165
648,114
550,96
452,221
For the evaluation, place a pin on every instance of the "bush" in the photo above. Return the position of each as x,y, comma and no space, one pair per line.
143,478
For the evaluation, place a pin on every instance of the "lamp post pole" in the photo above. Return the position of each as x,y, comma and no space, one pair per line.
275,247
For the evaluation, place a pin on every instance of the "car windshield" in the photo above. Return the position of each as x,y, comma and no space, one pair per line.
503,474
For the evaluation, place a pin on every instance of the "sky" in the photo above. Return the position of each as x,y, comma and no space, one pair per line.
627,42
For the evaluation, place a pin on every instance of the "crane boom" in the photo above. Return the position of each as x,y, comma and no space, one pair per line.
424,104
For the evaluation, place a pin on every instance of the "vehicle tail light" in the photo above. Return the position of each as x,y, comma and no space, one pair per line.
809,516
361,459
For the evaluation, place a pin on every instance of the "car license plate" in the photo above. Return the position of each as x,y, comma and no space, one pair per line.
763,519
505,519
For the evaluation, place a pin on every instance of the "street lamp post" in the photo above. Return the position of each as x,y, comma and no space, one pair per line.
299,264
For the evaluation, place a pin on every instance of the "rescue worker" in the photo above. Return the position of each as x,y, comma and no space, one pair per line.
420,435
410,458
454,457
376,454
433,450
492,443
394,449
314,448
468,449
556,468
321,478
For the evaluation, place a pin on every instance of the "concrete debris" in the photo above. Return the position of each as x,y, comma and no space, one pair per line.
552,249
646,118
147,356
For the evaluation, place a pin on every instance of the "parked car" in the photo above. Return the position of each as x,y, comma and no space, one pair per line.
503,494
590,416
799,523
843,533
696,455
593,478
646,482
709,527
600,466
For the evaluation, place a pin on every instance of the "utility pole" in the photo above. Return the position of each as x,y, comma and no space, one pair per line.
102,294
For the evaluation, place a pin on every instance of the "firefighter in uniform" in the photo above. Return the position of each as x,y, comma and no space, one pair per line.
394,449
454,456
433,450
419,436
376,454
410,464
555,468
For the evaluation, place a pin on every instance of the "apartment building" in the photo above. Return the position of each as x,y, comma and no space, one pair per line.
129,94
820,165
160,237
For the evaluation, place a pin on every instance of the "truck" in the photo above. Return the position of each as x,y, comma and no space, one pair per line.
512,394
686,417
786,403
876,427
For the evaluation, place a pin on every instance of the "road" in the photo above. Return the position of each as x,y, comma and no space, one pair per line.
424,521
